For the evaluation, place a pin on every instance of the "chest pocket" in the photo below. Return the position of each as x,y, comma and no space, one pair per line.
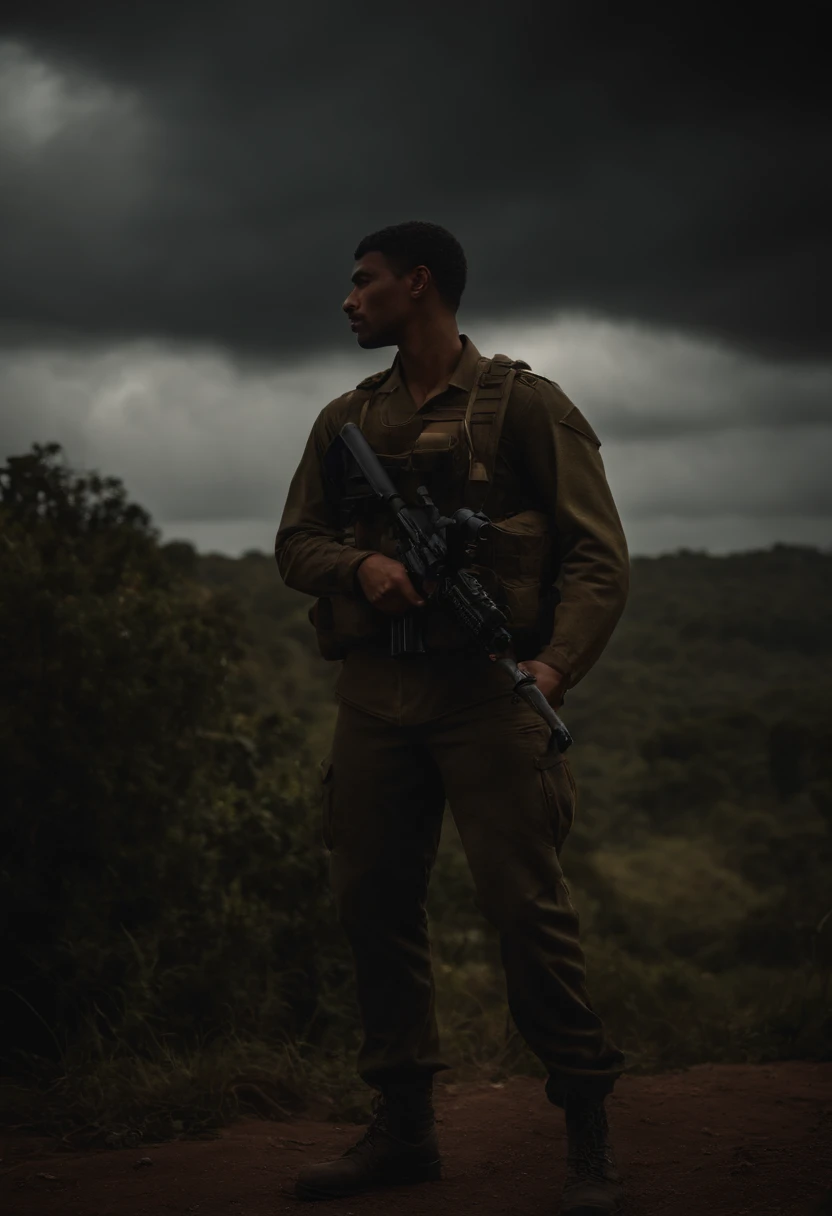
437,456
437,459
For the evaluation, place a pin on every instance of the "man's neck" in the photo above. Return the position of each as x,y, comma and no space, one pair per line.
428,357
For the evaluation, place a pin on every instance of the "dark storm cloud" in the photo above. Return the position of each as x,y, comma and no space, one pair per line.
692,435
214,187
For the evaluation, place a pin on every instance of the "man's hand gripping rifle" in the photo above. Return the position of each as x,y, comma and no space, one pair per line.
433,549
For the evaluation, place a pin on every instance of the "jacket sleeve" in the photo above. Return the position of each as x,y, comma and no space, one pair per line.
560,453
309,547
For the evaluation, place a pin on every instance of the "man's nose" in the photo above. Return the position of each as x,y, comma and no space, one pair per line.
349,304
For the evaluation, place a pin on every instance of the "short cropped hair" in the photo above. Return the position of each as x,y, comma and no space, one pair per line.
419,244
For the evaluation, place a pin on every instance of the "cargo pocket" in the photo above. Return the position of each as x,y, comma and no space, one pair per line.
354,620
326,802
559,793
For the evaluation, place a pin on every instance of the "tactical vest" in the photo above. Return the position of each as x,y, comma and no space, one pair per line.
452,450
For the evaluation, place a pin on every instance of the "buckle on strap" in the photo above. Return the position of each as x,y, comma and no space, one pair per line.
490,374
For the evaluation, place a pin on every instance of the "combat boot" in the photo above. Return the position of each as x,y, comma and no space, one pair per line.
592,1181
398,1147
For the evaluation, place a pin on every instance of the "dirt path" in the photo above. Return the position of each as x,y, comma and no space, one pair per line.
714,1140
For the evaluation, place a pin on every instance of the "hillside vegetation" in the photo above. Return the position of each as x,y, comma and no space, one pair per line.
173,956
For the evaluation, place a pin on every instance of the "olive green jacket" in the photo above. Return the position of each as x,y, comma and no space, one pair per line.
548,459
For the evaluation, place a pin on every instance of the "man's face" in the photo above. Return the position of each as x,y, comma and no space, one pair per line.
380,302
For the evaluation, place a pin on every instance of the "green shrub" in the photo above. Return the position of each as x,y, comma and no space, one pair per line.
162,874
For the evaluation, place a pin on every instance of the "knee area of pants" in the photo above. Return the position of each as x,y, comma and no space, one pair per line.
515,909
508,911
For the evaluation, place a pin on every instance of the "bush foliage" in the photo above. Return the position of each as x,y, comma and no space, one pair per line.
172,954
161,876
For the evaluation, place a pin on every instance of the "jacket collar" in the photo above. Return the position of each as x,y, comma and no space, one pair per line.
461,377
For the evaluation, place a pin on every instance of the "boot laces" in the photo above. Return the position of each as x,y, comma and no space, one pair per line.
379,1123
386,1124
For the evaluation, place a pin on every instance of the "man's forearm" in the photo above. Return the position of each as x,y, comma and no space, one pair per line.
317,564
560,451
591,605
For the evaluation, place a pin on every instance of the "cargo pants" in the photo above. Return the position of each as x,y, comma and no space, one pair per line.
513,801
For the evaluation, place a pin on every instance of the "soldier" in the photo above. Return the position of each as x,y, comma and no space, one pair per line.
411,731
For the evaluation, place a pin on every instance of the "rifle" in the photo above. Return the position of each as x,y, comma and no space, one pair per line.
433,548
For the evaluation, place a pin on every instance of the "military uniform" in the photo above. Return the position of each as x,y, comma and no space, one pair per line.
414,731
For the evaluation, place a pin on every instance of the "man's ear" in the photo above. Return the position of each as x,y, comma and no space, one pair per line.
420,279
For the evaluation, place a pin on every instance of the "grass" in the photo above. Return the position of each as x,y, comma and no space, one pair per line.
666,1015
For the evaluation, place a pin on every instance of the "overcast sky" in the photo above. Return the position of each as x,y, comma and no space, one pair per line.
645,209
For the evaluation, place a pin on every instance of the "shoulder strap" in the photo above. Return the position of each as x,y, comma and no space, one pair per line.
368,385
364,396
483,424
375,380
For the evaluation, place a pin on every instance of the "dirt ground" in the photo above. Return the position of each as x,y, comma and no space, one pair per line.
716,1140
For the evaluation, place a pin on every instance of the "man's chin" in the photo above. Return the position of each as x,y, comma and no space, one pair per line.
374,341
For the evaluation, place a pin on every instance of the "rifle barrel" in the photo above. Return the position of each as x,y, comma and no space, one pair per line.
370,466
